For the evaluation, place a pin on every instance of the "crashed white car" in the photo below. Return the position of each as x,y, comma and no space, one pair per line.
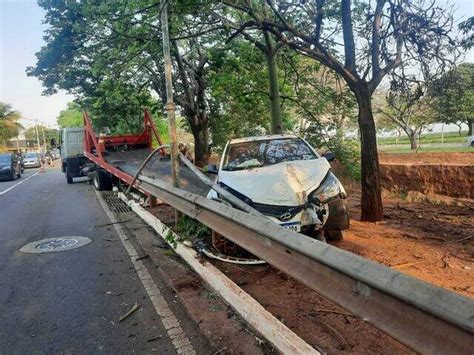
284,178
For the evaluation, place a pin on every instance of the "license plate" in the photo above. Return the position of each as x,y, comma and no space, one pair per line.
293,226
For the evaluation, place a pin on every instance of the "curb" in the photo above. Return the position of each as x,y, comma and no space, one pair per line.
278,334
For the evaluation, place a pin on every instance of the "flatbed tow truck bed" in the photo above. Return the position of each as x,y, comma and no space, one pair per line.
157,168
122,155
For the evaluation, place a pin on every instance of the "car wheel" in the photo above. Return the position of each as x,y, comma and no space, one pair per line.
101,181
334,235
68,176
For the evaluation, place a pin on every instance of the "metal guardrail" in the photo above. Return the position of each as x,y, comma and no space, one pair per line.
425,317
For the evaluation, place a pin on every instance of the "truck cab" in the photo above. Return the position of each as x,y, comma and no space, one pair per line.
72,152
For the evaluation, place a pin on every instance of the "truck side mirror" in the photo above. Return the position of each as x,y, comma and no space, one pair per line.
212,169
330,156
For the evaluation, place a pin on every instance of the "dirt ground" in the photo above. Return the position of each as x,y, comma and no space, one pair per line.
428,237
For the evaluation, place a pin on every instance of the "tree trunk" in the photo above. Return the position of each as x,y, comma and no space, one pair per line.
201,141
412,137
273,85
371,198
470,124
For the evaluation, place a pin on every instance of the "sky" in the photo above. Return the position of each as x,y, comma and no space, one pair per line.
21,32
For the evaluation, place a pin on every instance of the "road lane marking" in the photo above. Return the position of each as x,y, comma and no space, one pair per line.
18,183
171,324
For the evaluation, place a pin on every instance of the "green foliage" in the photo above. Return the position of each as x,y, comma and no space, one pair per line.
9,126
189,228
348,153
49,133
71,116
454,94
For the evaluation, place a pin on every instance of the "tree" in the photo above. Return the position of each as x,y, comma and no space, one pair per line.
376,38
407,106
70,117
454,93
45,134
9,125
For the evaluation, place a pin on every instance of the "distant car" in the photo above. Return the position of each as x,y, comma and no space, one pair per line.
10,166
284,178
32,160
470,141
54,153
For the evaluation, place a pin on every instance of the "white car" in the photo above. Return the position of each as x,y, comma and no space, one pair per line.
470,141
31,160
284,178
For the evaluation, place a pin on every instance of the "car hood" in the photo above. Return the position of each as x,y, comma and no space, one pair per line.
5,166
282,184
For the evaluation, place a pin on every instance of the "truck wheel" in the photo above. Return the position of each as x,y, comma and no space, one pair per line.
101,181
335,235
68,176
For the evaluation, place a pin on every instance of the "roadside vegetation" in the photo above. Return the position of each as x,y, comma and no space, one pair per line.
247,68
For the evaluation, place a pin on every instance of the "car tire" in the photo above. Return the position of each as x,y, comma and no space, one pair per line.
101,181
334,235
69,179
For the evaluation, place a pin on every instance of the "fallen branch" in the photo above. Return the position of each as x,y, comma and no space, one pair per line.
396,266
445,261
458,240
130,312
142,257
334,312
466,204
110,224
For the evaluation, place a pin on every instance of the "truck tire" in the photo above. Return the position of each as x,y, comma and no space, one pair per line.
68,176
102,181
334,235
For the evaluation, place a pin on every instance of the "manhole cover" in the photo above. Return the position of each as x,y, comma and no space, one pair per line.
49,245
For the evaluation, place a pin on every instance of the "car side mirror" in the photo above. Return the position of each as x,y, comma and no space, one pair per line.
212,169
330,156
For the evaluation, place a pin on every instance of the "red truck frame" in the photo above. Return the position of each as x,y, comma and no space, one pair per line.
95,147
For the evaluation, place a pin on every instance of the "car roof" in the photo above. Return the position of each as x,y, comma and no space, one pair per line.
262,138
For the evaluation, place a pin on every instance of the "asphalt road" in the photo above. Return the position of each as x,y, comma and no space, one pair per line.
70,301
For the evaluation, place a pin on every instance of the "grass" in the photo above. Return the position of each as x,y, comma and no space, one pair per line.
429,150
449,137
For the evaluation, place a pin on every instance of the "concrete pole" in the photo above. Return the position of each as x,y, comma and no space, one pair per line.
44,139
37,135
170,106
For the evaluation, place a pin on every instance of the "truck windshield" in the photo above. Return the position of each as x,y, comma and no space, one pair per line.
254,154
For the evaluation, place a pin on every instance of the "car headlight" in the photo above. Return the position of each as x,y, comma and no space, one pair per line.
329,188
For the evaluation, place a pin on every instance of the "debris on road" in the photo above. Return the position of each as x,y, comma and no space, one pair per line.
130,312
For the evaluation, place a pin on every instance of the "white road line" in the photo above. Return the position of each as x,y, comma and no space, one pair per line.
177,335
18,183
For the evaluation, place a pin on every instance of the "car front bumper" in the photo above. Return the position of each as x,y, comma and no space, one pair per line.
5,174
32,164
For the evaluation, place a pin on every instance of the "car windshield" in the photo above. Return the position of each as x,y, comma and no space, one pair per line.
253,154
5,158
30,155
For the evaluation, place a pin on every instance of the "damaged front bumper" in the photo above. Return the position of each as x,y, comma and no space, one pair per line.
332,216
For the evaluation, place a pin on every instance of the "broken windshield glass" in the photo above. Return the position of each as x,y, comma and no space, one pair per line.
246,155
